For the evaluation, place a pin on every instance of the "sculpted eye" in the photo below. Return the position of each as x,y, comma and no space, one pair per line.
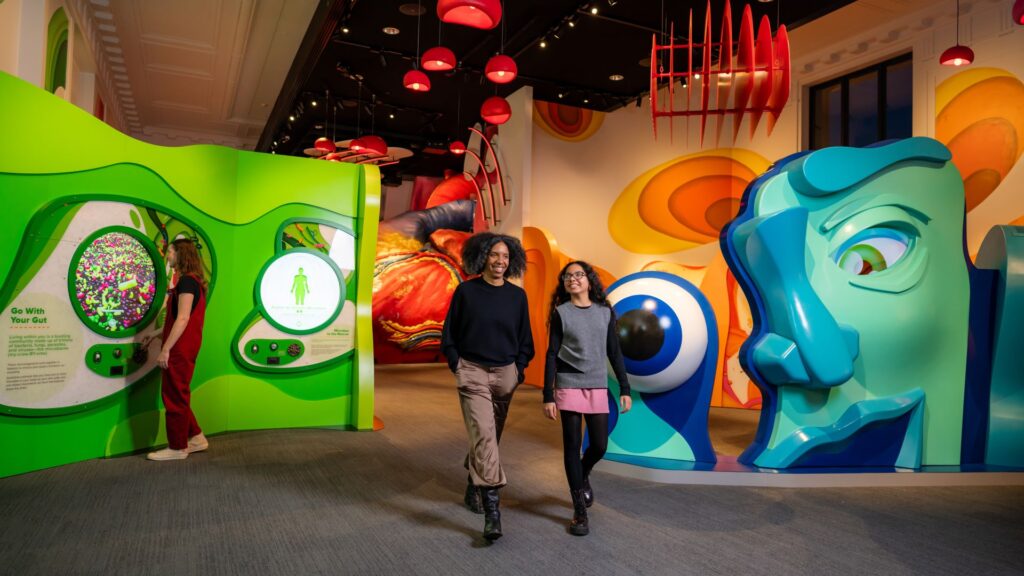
872,250
662,330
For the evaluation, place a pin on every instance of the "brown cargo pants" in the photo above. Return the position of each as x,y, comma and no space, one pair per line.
485,394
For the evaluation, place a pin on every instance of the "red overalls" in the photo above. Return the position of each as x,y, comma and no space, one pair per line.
177,377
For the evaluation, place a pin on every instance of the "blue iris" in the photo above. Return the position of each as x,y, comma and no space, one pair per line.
650,334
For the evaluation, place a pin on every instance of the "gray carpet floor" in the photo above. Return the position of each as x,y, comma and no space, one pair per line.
388,502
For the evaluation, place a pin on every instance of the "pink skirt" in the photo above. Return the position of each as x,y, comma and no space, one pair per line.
582,400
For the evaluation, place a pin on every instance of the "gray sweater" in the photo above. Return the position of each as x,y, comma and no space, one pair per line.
580,343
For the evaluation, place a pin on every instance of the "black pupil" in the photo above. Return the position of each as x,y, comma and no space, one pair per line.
640,334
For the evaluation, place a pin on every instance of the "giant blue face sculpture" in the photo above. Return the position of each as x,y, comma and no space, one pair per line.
852,259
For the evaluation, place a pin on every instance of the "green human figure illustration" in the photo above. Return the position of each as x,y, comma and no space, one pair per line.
300,287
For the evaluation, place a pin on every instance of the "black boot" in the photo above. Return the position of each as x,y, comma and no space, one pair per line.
492,515
579,525
472,498
588,492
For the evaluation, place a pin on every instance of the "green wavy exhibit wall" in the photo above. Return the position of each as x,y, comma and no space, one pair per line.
87,211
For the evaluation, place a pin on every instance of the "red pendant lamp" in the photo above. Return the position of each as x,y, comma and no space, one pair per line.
958,55
369,145
457,148
324,144
416,81
438,59
482,14
501,69
496,110
1018,12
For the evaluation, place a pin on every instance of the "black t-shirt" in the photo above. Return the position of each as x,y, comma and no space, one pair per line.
186,285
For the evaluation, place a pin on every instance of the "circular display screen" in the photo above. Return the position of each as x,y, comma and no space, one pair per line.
301,291
115,283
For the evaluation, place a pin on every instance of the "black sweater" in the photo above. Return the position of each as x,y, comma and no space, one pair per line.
488,325
553,364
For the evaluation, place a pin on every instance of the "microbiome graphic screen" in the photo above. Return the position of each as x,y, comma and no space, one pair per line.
115,282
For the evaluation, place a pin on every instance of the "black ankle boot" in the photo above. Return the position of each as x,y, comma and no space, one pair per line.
472,498
588,492
492,515
579,525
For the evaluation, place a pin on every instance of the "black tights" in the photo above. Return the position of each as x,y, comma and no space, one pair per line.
576,469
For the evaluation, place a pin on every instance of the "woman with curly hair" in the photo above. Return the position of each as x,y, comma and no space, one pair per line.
581,342
488,343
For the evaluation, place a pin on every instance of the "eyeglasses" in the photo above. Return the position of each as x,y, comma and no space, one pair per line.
578,275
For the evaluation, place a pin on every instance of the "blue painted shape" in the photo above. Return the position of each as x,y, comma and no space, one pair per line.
683,409
672,330
979,365
773,247
810,439
778,360
1003,250
830,170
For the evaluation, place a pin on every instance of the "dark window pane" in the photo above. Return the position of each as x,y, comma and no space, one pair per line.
898,92
827,119
863,120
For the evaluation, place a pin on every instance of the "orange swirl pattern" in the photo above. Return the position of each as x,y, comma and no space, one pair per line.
981,121
683,203
567,123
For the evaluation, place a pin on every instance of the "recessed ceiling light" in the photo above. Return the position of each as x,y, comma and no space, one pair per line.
291,118
616,77
543,43
560,94
586,101
391,116
345,30
313,103
391,30
593,10
411,9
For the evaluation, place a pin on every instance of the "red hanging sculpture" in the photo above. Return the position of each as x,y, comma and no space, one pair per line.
753,80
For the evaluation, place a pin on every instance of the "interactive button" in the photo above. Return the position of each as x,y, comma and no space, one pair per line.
294,350
117,352
97,357
273,346
255,348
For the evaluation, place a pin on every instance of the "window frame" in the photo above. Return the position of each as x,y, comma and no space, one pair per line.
843,82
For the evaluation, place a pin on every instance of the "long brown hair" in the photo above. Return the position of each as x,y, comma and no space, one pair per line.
187,261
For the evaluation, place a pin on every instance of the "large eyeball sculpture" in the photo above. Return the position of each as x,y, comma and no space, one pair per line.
668,337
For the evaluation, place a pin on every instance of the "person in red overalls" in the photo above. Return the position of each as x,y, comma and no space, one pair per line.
182,336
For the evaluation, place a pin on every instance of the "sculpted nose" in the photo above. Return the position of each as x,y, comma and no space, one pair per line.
802,343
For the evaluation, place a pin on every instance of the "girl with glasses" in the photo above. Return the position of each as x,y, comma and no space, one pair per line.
582,339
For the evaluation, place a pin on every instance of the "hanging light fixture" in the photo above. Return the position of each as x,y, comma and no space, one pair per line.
369,144
438,59
501,69
957,55
1018,12
324,144
496,110
415,79
482,14
457,147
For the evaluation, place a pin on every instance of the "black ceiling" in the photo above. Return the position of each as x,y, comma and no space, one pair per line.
346,43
